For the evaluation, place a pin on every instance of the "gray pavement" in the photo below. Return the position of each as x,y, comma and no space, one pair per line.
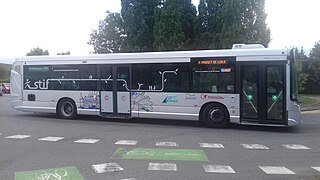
240,152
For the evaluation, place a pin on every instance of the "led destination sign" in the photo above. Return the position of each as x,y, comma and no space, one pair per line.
214,61
209,62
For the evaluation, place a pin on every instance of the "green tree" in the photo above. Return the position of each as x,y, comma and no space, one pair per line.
209,24
138,17
110,35
300,58
37,52
64,53
313,83
174,25
5,72
244,22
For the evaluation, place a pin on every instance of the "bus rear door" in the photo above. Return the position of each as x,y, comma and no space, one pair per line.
115,96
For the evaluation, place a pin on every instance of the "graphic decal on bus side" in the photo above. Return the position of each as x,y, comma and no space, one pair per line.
140,101
37,85
170,99
91,101
211,97
44,84
150,87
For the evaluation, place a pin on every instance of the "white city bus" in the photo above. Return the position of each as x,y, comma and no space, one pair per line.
248,84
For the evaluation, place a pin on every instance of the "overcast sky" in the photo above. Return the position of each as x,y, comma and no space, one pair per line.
65,25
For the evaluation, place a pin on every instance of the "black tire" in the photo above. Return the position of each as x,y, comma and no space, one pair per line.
67,109
215,116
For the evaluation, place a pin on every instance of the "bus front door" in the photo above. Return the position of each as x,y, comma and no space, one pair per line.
262,93
115,96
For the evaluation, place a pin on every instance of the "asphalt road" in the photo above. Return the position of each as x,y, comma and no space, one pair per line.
179,157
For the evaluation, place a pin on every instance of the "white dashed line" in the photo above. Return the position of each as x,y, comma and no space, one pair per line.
107,167
87,141
218,169
18,136
51,139
162,167
126,142
254,146
316,168
295,146
211,145
129,179
169,144
276,170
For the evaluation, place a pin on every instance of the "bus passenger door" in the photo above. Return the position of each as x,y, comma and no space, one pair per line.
115,94
262,93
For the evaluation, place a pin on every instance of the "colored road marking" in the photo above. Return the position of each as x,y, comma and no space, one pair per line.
162,167
126,142
168,144
276,170
218,169
295,146
161,154
211,145
107,167
51,139
65,173
254,146
18,136
316,168
87,141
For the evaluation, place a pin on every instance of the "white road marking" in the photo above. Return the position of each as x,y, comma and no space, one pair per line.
218,169
276,170
107,167
170,144
87,141
51,138
129,179
162,167
126,142
295,146
316,168
18,136
0,134
211,145
254,146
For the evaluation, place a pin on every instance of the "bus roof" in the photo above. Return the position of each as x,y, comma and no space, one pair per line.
144,57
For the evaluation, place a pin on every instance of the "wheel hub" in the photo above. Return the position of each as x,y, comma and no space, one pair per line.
216,115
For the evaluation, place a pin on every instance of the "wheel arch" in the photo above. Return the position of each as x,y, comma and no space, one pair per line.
69,98
209,103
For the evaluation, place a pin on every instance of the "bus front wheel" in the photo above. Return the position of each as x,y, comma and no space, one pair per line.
216,116
67,109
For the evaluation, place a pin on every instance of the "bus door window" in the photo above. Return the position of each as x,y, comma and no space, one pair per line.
275,78
106,79
123,79
250,92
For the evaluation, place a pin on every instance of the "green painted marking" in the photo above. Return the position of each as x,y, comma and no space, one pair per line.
63,173
161,154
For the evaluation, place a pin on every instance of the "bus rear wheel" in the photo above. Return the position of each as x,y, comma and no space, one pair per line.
67,109
216,116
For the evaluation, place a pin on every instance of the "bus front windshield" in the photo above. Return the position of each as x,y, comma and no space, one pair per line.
294,82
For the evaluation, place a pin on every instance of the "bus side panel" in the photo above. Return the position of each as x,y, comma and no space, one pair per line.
185,106
46,100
